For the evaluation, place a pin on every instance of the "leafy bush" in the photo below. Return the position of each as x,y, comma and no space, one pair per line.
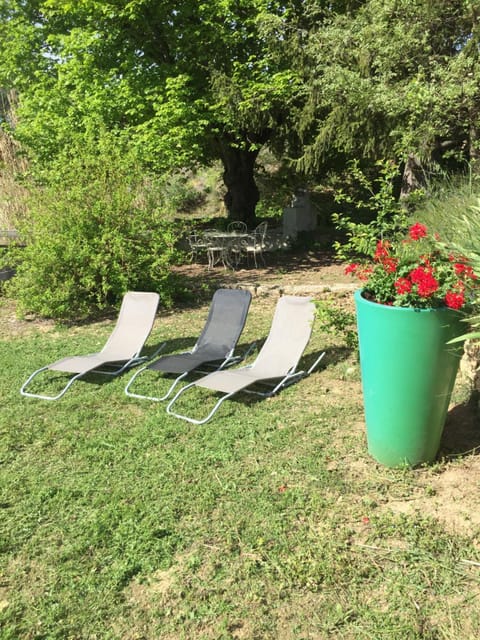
388,217
95,230
338,321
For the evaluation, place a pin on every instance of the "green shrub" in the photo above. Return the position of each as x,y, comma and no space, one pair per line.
337,321
95,230
387,217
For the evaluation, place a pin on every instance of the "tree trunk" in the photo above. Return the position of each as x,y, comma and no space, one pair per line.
242,191
413,177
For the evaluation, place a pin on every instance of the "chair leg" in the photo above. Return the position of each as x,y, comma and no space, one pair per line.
188,418
28,394
316,363
214,257
249,254
153,398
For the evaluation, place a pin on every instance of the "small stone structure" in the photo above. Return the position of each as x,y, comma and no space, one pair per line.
300,216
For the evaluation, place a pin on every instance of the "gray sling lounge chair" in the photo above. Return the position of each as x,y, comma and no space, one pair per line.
121,351
216,344
276,362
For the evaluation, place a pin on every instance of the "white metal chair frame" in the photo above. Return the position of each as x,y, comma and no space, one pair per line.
237,225
117,353
217,251
276,363
290,378
198,244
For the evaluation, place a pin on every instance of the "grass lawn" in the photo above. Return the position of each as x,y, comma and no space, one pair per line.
269,522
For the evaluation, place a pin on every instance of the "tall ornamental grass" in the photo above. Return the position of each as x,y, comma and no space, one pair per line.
453,211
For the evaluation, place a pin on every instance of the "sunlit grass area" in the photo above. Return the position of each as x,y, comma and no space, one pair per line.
271,521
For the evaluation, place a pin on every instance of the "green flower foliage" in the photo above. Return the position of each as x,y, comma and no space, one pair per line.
418,272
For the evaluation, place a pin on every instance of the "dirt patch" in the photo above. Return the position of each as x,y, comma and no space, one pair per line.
11,326
450,497
282,269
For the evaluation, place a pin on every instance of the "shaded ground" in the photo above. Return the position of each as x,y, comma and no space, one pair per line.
281,267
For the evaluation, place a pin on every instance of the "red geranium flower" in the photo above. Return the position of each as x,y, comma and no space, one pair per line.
425,281
454,300
428,286
351,268
403,285
417,231
382,250
464,269
390,265
364,273
418,271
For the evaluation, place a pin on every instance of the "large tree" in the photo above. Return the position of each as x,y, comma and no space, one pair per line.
185,81
398,79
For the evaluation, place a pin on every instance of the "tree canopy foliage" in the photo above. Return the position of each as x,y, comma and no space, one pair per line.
185,82
398,77
188,82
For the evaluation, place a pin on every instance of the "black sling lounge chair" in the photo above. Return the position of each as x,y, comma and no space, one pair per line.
121,351
276,363
215,346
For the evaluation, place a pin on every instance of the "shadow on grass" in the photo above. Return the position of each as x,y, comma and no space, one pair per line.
462,429
333,355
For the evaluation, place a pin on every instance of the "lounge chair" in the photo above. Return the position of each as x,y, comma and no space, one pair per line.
215,346
121,351
276,363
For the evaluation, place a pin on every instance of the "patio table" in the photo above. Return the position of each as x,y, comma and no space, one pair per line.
223,246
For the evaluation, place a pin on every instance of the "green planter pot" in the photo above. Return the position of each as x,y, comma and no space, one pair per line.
408,372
